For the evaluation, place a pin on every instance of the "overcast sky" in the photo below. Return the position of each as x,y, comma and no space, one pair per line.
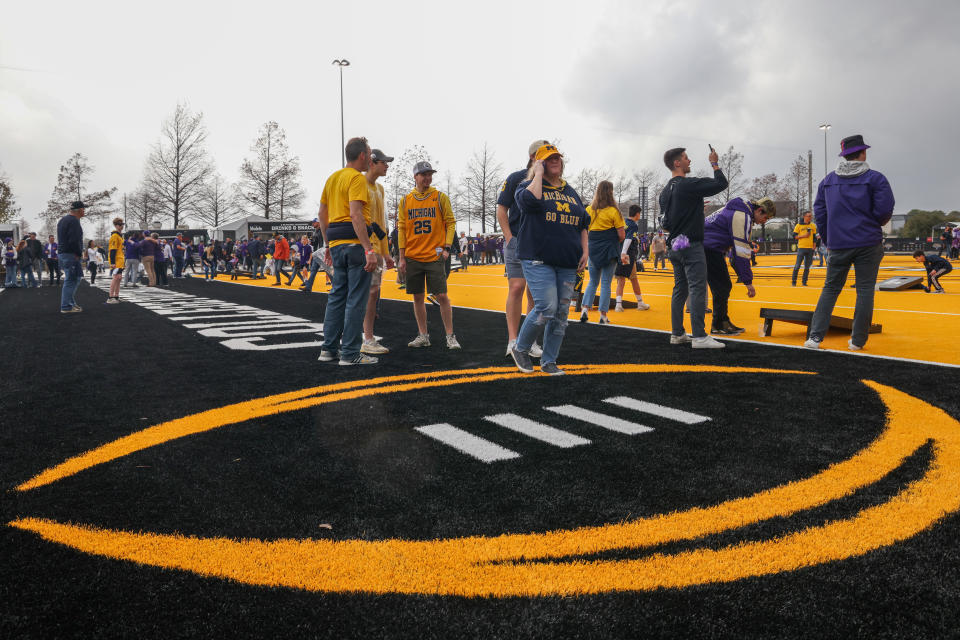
616,83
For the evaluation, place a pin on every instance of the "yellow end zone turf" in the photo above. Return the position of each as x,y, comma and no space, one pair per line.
916,325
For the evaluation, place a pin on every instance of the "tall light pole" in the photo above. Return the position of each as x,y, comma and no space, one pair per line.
343,152
824,128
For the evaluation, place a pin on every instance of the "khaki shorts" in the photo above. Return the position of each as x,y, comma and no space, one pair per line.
430,273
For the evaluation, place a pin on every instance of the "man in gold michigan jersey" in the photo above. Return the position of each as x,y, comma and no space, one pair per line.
426,227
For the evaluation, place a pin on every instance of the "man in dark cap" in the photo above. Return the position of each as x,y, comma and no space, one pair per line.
70,247
853,203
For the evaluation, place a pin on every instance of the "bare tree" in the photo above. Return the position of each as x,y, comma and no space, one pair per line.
218,203
766,186
8,202
622,186
796,184
484,176
144,208
585,183
72,185
178,165
269,182
731,162
399,179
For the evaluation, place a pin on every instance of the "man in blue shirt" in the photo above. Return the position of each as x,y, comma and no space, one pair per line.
70,248
853,203
508,216
178,256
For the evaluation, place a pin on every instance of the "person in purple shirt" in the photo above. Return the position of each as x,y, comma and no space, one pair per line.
178,256
853,203
50,255
131,258
724,231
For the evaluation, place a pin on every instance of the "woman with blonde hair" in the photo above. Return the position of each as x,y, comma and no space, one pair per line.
552,247
605,237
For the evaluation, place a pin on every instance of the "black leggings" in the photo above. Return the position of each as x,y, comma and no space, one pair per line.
92,268
161,268
718,278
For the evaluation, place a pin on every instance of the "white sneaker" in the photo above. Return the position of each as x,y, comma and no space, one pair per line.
642,306
619,307
510,345
583,316
811,344
535,351
113,300
852,346
422,340
452,342
372,347
682,339
707,342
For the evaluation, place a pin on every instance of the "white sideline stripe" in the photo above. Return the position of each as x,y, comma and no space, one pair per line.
536,430
601,420
474,446
658,410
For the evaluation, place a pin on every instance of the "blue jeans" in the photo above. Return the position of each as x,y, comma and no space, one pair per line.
24,272
552,289
72,274
602,274
177,266
689,280
347,301
866,264
11,280
806,257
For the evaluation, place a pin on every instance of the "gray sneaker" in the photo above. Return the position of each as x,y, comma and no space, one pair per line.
812,344
373,348
360,358
551,369
706,342
422,340
452,342
681,339
522,360
327,356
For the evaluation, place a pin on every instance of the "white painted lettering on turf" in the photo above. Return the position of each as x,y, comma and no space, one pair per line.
473,446
240,327
658,410
610,423
536,430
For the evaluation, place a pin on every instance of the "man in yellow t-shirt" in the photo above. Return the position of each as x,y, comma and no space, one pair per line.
344,219
116,256
425,230
379,163
804,233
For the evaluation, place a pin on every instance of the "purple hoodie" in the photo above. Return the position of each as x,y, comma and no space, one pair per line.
852,204
730,227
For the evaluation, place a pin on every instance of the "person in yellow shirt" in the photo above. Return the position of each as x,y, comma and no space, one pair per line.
115,253
344,219
379,162
804,233
425,230
606,234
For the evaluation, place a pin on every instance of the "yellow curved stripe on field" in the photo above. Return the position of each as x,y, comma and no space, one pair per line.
313,396
500,566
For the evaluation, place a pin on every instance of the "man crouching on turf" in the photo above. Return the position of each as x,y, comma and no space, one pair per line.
722,230
935,266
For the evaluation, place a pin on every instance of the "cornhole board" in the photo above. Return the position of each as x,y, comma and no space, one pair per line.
901,283
795,316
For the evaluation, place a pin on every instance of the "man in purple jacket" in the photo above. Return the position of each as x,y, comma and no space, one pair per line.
852,205
726,229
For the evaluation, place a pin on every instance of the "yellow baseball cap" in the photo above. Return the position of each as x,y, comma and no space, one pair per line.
547,150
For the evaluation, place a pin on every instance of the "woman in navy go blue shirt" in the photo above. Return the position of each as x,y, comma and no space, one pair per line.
552,247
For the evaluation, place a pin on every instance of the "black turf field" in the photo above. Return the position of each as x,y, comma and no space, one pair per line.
73,382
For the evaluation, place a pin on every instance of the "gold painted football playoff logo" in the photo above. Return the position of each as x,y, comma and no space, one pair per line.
548,563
